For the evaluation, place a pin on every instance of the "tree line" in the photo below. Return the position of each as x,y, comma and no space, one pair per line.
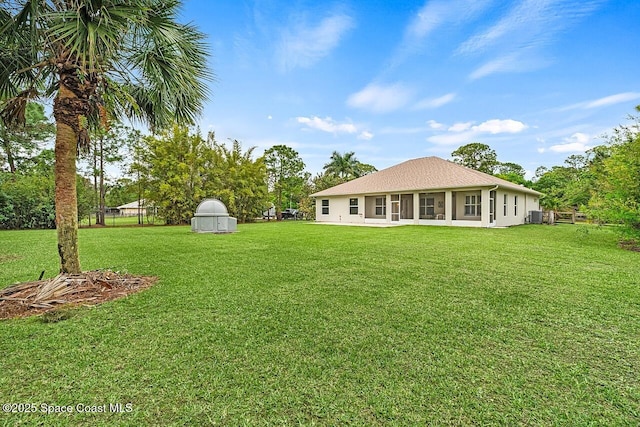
177,168
604,182
171,171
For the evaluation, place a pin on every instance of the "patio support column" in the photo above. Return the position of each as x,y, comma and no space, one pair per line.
388,213
448,207
484,218
416,208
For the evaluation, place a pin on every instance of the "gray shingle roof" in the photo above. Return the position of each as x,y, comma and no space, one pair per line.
425,173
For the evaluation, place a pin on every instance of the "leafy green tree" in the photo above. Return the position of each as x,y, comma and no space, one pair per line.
512,172
119,57
325,180
285,171
177,161
237,180
570,186
346,166
20,143
365,169
27,195
551,183
617,198
476,156
124,190
26,201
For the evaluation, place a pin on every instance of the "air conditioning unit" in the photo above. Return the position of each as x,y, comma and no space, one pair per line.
535,217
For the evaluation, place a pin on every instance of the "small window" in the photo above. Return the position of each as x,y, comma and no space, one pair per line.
427,207
353,206
325,206
515,205
472,206
381,206
505,204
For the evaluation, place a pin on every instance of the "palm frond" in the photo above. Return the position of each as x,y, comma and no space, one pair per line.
146,65
13,110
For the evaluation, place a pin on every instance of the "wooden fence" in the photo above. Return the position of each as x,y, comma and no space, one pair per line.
563,217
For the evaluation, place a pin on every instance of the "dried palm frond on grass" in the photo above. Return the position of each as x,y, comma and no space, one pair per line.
89,288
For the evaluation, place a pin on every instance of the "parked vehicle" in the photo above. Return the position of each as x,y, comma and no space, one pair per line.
291,213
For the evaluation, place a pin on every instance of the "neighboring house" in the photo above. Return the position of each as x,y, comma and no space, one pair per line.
132,209
427,191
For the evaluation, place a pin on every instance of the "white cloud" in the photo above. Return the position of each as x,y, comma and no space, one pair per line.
460,127
327,125
465,132
579,137
529,23
381,99
606,101
304,45
613,99
573,147
430,18
365,135
500,126
435,102
435,125
576,143
603,102
510,63
437,13
515,40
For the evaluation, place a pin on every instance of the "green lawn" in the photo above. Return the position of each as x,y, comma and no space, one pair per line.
294,323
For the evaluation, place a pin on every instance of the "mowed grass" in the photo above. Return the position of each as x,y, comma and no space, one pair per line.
294,323
121,221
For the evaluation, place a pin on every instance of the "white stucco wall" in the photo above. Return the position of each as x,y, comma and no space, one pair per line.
526,203
339,209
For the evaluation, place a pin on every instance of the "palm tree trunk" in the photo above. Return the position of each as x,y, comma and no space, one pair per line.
65,181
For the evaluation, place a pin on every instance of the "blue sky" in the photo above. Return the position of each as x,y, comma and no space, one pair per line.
536,80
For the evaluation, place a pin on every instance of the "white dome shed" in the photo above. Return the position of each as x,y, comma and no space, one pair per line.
212,217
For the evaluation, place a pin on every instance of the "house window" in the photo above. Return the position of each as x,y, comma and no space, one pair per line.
381,206
515,205
472,206
325,206
353,206
427,207
505,204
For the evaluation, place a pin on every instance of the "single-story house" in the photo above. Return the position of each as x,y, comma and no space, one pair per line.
132,209
427,191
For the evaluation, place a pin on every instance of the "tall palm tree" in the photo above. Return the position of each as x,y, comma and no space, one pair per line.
343,166
97,59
